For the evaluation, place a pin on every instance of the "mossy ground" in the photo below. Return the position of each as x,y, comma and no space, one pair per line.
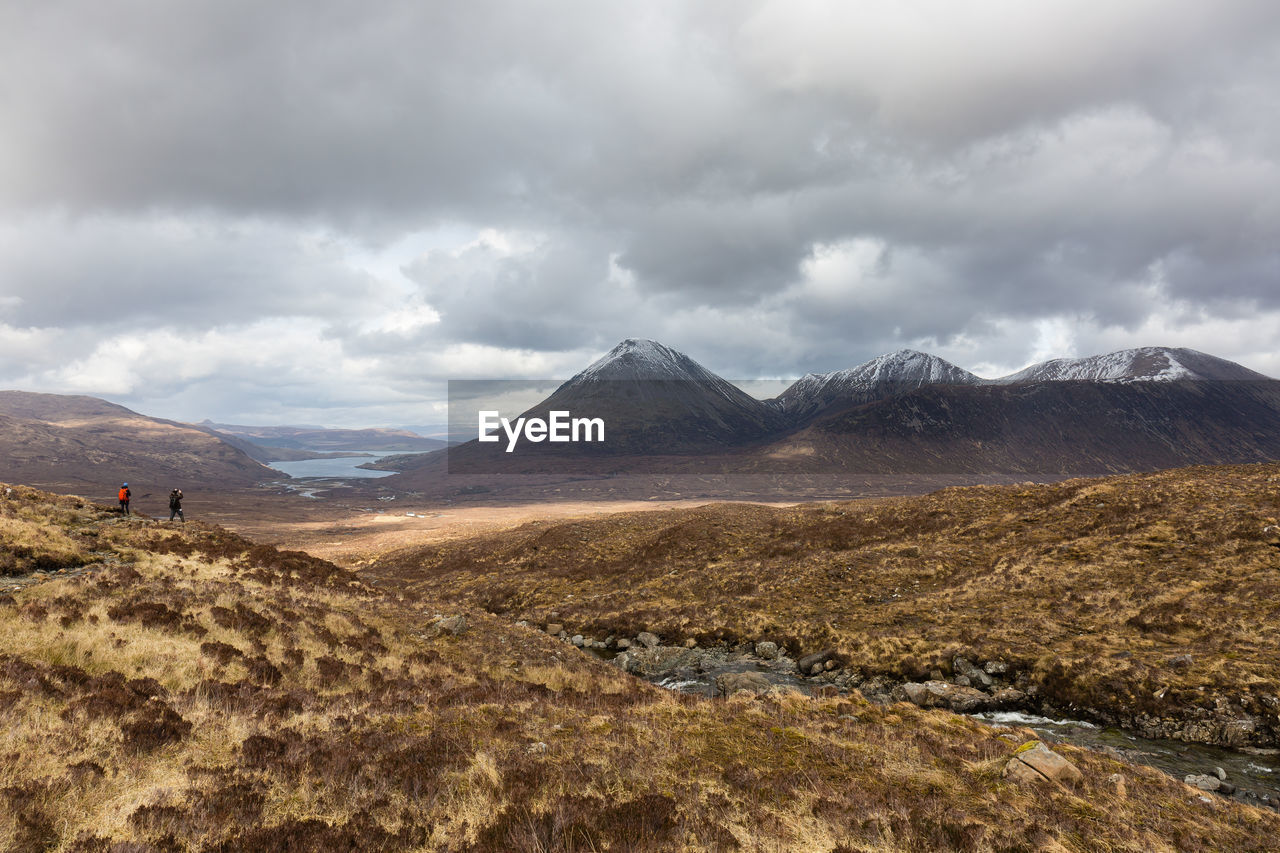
199,692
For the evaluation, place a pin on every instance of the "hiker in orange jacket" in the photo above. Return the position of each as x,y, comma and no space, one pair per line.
125,494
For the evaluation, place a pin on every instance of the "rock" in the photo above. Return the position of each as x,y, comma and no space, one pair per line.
973,677
1181,662
940,694
578,640
1034,762
649,641
812,664
1008,696
829,665
1204,782
1238,732
451,624
995,667
1117,783
554,628
916,693
623,644
767,650
1220,773
731,682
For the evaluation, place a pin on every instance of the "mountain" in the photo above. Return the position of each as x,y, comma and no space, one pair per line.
1144,364
322,440
1046,428
654,401
881,377
60,442
658,400
903,414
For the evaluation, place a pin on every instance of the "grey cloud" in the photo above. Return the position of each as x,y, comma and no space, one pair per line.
180,166
188,273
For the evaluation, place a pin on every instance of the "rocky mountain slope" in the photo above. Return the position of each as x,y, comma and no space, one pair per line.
83,443
1144,364
187,689
882,377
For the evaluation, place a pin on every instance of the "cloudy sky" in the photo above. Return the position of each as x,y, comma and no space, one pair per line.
317,212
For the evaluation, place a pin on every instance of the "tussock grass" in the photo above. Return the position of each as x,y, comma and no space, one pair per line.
1092,587
199,692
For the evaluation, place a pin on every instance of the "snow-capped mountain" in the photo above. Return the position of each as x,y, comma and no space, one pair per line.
643,359
1144,364
658,400
881,377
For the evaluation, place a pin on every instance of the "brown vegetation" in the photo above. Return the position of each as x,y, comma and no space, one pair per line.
198,692
1095,588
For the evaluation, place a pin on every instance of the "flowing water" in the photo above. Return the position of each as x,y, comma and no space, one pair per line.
1256,777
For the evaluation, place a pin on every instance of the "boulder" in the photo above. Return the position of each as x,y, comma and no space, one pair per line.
969,675
1238,732
623,644
451,624
1008,697
578,640
554,628
940,694
731,682
649,641
1204,782
1034,762
767,650
812,664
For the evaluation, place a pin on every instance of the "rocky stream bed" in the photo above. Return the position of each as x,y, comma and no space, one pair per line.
1225,753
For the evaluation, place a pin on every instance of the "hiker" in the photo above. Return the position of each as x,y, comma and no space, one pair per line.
175,505
125,494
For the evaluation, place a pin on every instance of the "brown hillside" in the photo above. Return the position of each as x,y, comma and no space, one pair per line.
75,443
192,691
1090,588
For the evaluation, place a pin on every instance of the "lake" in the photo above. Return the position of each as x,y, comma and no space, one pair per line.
336,468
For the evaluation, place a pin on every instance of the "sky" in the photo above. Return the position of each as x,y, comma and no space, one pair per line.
315,212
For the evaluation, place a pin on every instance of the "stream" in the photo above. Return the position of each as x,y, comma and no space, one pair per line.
1254,773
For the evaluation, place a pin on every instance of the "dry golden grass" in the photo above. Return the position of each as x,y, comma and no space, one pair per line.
1091,587
199,692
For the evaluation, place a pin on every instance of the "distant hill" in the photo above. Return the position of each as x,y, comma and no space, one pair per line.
66,442
320,440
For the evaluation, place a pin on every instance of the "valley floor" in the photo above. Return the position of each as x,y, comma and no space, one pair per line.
187,689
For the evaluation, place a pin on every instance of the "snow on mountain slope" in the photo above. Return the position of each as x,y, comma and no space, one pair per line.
883,375
1143,364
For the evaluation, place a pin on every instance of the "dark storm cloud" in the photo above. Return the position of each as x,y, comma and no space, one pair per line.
775,187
